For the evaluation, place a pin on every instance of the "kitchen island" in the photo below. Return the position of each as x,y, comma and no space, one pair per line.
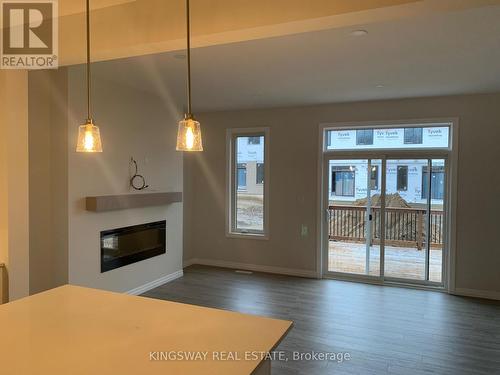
81,331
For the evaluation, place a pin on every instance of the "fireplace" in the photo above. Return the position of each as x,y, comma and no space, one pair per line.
123,246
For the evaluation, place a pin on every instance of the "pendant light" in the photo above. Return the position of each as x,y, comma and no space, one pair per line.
189,132
89,137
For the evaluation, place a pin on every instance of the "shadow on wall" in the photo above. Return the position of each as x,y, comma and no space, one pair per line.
4,284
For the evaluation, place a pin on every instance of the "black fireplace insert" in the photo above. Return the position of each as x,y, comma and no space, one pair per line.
123,246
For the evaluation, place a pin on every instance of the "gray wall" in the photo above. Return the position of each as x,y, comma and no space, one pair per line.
132,123
14,175
294,183
64,244
48,179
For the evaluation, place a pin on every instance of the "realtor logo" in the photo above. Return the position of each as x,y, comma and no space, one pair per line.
29,34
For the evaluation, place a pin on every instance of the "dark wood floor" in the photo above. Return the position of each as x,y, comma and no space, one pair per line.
386,330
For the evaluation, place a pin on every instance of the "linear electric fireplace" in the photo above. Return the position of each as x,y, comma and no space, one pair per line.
123,246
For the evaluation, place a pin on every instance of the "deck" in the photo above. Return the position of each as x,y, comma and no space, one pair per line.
400,262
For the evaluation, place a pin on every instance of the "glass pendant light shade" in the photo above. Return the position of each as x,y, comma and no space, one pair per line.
89,138
189,132
189,135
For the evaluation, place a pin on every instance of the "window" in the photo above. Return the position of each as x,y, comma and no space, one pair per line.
437,182
260,174
413,136
364,137
374,178
241,176
248,182
428,136
343,181
253,140
402,179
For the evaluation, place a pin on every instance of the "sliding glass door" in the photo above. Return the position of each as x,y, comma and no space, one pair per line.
354,187
414,219
385,193
385,218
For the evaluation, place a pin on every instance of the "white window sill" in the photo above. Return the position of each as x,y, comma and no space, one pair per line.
247,236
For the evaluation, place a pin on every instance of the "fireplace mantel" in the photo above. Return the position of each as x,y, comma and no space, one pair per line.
122,202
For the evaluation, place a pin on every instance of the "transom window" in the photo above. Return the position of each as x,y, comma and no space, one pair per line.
428,136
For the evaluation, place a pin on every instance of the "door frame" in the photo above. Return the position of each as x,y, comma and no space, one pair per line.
449,154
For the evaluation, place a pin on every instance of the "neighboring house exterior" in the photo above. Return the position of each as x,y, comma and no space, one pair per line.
430,137
348,178
408,178
250,166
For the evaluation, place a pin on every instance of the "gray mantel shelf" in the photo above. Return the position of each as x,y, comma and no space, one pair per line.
122,202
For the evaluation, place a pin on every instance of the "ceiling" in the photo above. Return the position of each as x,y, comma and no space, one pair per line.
440,54
124,28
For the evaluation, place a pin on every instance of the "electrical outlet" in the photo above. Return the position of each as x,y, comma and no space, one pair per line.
304,230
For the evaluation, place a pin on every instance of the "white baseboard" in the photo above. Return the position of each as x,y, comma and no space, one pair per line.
155,283
312,274
252,267
487,294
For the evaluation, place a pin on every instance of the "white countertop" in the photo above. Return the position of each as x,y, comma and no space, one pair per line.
80,331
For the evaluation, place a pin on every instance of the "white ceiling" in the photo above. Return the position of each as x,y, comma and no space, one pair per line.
442,54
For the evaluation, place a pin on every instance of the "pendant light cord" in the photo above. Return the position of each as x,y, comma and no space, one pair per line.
89,117
188,24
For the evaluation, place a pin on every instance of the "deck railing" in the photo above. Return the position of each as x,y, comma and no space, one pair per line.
404,226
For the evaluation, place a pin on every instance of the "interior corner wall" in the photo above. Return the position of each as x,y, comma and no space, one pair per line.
187,214
14,211
135,124
48,179
4,191
294,183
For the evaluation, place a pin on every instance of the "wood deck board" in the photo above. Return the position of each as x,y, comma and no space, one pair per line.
400,262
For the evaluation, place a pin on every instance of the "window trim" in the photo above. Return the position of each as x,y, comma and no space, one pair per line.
231,135
450,123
